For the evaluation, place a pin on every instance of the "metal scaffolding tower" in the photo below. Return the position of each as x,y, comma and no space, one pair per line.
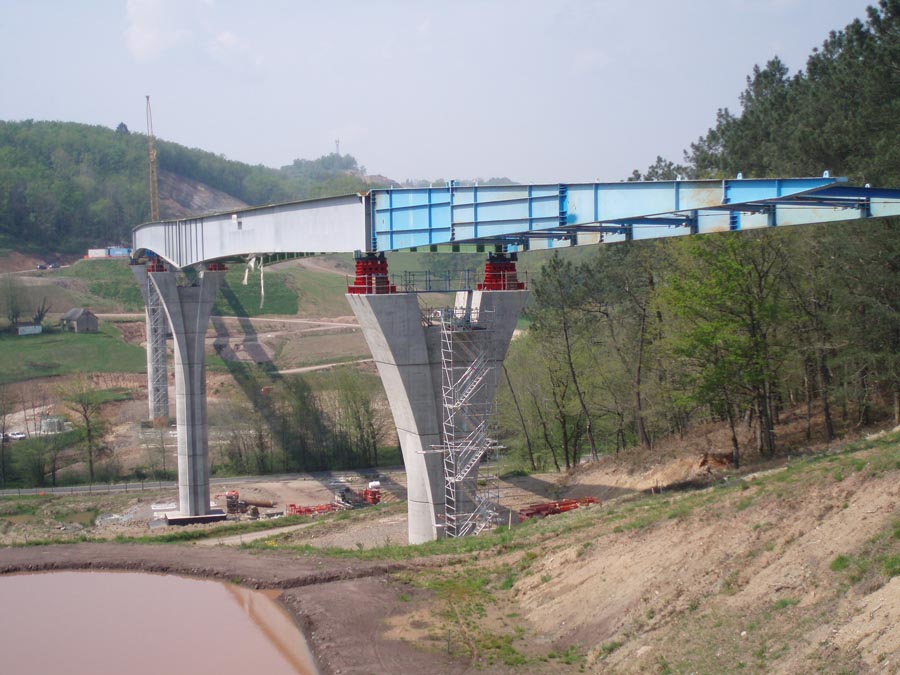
157,369
471,495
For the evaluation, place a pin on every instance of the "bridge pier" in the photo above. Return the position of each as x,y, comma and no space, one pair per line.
406,348
188,309
157,362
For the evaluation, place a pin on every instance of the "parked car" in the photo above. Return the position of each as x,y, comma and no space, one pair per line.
53,266
16,435
41,267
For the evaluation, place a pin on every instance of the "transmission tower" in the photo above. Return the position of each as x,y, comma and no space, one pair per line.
154,177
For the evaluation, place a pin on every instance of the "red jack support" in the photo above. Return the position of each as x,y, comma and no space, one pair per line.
371,276
156,265
500,274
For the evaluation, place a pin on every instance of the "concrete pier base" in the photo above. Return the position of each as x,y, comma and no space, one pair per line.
408,355
188,309
214,516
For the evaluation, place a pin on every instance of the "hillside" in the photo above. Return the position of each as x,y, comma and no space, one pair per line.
789,567
78,185
181,196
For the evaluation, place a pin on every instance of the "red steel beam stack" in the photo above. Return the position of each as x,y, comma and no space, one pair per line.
552,508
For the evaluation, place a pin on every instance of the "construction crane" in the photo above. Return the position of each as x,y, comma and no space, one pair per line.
154,177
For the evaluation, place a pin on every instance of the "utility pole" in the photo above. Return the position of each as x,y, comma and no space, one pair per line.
154,177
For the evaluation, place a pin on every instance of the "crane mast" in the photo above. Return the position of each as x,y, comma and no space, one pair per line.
154,177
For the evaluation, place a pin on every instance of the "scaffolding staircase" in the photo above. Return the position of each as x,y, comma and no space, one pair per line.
471,492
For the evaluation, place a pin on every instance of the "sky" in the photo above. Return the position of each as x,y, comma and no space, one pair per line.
533,90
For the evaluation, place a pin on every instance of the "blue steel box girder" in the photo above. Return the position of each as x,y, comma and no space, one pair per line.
513,215
510,217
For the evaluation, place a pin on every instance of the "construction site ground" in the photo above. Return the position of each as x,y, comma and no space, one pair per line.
788,566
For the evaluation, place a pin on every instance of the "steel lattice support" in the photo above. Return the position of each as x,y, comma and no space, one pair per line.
157,361
466,372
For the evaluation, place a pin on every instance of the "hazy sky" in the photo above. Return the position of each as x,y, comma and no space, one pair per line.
538,91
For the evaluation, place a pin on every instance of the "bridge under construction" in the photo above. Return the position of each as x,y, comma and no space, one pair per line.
440,370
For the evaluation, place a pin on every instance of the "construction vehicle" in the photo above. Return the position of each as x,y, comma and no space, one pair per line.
552,508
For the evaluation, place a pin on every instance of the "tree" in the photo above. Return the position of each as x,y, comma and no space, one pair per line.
41,311
661,169
619,282
557,296
728,291
81,398
7,406
358,415
521,418
13,301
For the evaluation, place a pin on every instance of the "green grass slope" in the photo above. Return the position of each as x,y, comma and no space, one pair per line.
61,353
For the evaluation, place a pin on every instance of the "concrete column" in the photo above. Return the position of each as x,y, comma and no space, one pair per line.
188,309
157,362
408,356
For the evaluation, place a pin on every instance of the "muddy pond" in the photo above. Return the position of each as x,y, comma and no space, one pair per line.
143,624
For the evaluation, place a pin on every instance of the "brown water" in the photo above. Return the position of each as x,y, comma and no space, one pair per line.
143,624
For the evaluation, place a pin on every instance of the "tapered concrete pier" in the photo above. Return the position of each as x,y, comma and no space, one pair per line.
407,350
188,309
157,361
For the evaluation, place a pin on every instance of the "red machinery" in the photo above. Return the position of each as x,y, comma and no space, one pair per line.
349,497
346,498
552,508
294,510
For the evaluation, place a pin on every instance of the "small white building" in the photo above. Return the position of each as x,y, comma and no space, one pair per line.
28,328
54,424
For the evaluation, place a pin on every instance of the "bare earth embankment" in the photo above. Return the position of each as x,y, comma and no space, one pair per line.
792,567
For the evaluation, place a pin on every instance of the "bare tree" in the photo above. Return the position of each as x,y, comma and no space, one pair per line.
12,299
7,404
81,398
41,311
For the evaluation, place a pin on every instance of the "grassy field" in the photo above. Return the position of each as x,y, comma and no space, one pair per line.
61,353
110,280
235,299
321,294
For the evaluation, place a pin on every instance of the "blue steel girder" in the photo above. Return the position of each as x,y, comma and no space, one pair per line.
518,217
544,216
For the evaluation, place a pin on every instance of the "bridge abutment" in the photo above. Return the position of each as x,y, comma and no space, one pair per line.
188,309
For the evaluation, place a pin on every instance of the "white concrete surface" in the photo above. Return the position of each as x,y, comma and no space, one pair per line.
188,309
408,357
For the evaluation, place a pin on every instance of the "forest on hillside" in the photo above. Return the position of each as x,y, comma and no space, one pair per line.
78,185
636,343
